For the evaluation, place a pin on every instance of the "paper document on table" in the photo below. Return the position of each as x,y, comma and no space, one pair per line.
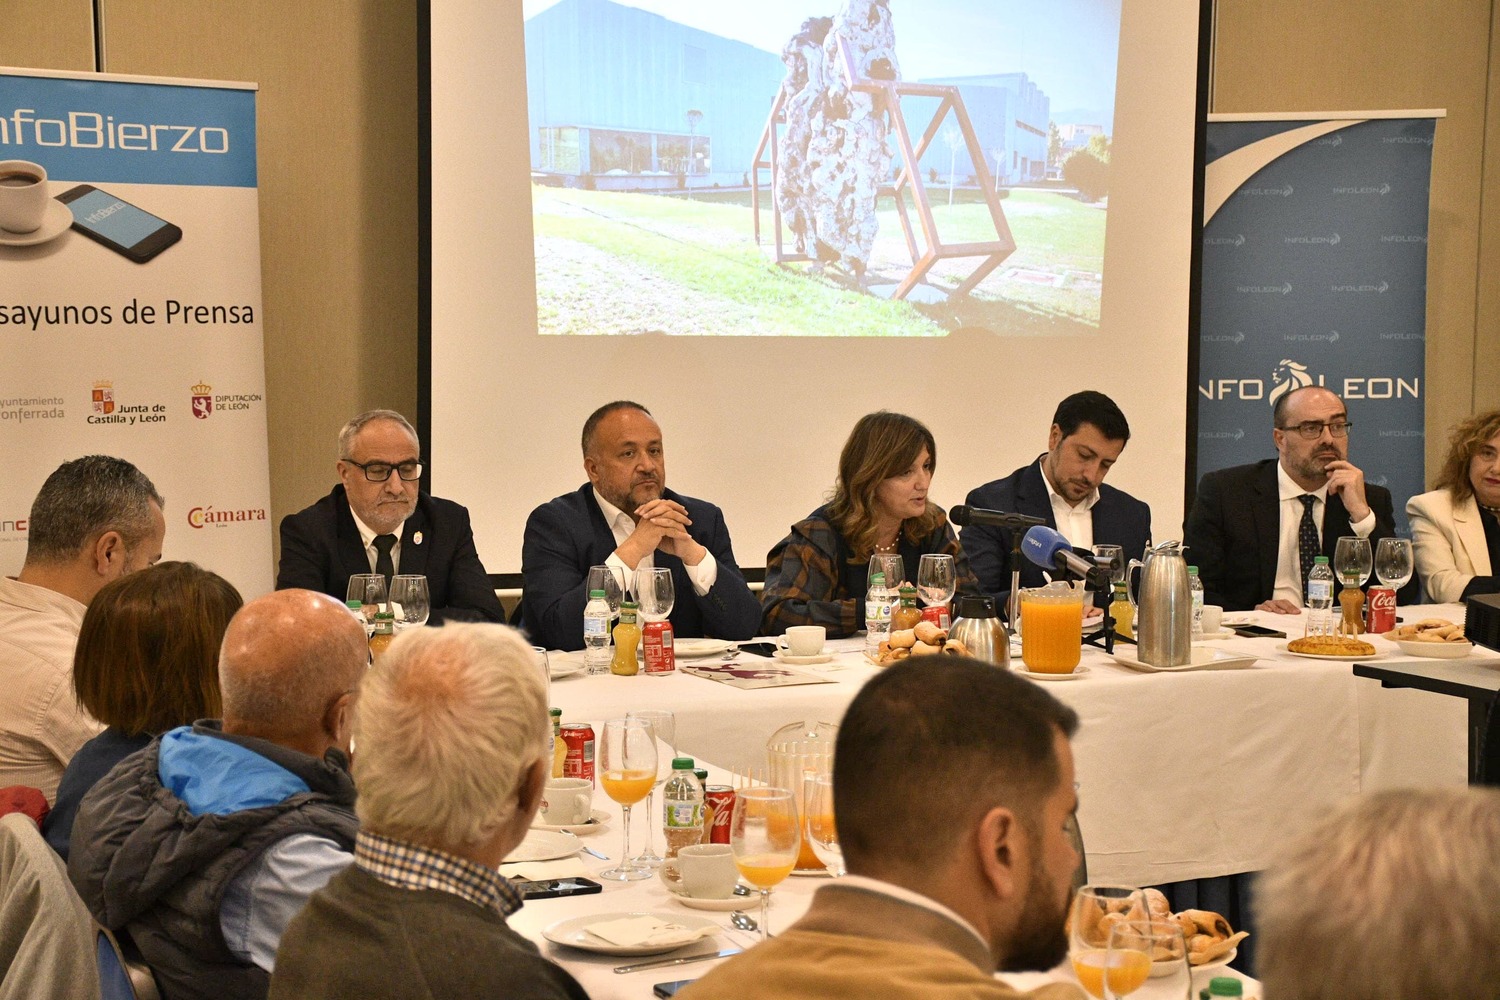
745,675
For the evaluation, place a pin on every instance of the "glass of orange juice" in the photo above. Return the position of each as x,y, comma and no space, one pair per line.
819,834
627,772
1096,909
765,839
1139,950
1052,628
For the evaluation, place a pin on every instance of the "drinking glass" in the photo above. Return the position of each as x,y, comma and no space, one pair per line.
1115,556
1096,908
937,579
654,590
664,730
1146,951
891,565
1351,560
1393,562
410,601
818,826
627,769
765,839
369,590
545,665
603,578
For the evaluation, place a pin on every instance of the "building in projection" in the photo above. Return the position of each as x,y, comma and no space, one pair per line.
622,98
1010,116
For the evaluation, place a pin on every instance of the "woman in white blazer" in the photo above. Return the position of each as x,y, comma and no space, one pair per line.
1456,528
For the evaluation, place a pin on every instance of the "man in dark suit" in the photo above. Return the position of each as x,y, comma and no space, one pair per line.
377,521
1065,487
624,517
1254,530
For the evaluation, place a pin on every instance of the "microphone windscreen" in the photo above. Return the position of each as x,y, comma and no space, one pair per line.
959,515
1041,545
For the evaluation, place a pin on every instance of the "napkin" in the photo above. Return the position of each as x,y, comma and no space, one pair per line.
629,932
536,871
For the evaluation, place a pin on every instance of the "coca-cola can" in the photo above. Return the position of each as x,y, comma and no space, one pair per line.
719,799
578,737
657,639
1382,614
937,614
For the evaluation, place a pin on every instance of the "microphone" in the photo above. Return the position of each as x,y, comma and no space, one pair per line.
1050,550
963,516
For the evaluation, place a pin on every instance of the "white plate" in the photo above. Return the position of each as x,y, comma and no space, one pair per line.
726,905
802,661
1327,656
1227,633
1203,658
573,932
544,845
564,665
55,222
694,649
1435,650
598,820
1078,672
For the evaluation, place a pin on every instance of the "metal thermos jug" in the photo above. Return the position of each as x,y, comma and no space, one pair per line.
981,630
1165,633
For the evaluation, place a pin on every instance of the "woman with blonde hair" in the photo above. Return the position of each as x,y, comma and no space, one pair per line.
817,575
1456,528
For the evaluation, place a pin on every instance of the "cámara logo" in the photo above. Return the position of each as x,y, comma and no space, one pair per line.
203,400
203,517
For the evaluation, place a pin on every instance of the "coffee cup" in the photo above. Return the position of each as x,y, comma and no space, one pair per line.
1213,619
567,802
803,640
707,871
23,196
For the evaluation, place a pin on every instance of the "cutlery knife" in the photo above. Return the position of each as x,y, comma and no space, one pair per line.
662,963
589,850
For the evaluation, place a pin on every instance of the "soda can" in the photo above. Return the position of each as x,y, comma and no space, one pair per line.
719,799
657,639
937,614
578,737
1382,614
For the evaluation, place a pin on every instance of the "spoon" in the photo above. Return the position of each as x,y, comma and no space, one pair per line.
742,890
743,921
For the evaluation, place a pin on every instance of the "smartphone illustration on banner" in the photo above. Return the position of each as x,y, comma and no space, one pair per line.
119,225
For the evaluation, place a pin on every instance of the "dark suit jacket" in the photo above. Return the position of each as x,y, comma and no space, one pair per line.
1233,533
321,549
1119,519
565,536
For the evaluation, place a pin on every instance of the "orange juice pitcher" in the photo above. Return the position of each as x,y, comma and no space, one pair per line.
1052,628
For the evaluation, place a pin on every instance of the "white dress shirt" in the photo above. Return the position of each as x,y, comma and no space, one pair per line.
622,526
1288,561
367,535
1076,524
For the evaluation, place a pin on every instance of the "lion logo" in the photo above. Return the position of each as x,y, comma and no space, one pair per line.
1286,376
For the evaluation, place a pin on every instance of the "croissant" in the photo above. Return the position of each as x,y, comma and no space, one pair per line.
903,639
1208,922
929,633
924,649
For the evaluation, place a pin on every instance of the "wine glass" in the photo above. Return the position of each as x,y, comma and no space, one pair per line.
409,598
1393,562
603,578
937,579
818,826
891,565
664,730
1146,950
1115,556
369,590
765,839
1096,908
627,768
654,590
545,665
1351,560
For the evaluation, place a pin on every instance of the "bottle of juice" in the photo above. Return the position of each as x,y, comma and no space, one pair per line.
907,614
1121,610
559,748
627,638
384,634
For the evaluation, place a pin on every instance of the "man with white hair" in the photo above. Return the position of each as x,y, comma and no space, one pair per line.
1390,898
205,844
452,733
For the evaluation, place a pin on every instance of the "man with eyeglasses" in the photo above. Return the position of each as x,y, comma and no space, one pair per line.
1254,530
377,520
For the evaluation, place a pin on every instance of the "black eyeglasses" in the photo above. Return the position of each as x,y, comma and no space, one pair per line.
1313,429
379,472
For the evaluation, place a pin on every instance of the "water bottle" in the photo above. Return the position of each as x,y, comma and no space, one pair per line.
877,614
682,807
1320,598
1195,592
596,653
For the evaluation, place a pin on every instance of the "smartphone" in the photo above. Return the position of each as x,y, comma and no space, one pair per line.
553,887
129,231
670,989
767,649
1256,632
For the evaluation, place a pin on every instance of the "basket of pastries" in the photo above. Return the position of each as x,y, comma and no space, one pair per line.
1432,637
925,639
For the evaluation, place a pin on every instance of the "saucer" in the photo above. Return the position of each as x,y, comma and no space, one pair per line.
1078,672
597,821
725,905
801,661
54,223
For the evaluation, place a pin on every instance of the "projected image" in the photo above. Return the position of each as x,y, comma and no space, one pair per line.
820,167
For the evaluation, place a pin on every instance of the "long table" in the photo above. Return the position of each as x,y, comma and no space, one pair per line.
1182,776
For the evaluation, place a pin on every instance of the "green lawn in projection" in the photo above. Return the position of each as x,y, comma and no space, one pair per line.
622,263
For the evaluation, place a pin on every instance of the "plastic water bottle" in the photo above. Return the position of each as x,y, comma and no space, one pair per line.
877,614
1195,591
1320,598
596,653
682,807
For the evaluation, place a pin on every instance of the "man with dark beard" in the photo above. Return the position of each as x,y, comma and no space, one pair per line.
953,787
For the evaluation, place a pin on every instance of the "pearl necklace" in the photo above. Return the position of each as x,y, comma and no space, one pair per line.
891,546
1492,510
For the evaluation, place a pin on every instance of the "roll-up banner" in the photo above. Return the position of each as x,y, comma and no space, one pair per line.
1315,273
130,304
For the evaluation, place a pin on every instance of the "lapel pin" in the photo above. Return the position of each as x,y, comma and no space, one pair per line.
416,539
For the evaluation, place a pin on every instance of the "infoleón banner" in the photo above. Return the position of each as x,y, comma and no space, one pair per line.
130,306
1315,273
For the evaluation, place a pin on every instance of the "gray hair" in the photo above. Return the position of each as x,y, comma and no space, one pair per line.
353,427
83,499
448,723
1392,897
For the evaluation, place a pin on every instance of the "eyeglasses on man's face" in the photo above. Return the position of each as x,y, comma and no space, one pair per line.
1313,429
379,472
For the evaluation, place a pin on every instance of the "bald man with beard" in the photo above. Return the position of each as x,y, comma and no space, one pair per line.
205,844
